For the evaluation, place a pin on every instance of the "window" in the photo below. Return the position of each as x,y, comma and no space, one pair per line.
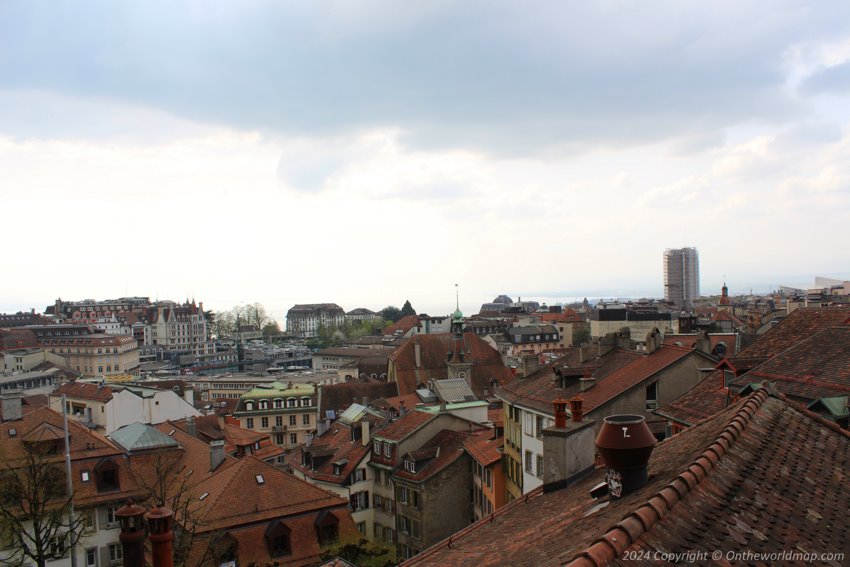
278,421
360,475
528,423
539,466
264,422
106,476
116,553
278,403
84,476
91,557
408,526
291,402
376,447
305,402
88,521
388,450
305,419
249,423
415,495
361,527
540,423
360,500
110,515
403,494
728,377
279,439
410,466
292,420
293,439
277,539
378,529
652,396
529,461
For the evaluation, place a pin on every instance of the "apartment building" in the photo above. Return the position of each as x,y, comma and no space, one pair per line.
304,320
94,355
289,412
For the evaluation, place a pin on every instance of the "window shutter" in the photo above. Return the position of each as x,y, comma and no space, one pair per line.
352,501
104,556
366,499
101,518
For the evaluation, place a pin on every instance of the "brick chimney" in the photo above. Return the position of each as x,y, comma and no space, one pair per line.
159,522
625,444
560,406
576,411
417,353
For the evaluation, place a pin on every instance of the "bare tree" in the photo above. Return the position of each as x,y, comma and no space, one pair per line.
167,482
34,506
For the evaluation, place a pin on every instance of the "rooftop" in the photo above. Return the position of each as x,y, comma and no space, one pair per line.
753,478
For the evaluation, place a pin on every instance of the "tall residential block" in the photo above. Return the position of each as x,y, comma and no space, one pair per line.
681,275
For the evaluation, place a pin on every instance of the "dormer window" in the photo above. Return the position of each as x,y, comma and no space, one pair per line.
106,476
278,539
376,447
264,404
278,403
305,402
410,466
249,406
291,402
388,450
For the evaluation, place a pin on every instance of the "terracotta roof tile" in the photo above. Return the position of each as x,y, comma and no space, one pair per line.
405,425
84,391
487,362
735,482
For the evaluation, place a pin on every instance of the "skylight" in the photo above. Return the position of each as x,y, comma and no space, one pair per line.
204,495
260,479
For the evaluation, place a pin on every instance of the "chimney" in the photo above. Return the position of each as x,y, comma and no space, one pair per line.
575,408
159,523
703,343
653,341
401,408
625,444
132,536
568,450
216,453
442,407
308,440
530,364
365,401
364,430
190,426
586,382
10,402
560,406
417,353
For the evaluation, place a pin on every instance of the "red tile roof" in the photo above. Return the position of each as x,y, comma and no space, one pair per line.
338,439
813,368
799,325
540,389
338,397
405,425
436,454
484,448
487,362
631,375
84,391
704,400
756,477
403,325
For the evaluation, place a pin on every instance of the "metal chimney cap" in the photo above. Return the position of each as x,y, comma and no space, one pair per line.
624,419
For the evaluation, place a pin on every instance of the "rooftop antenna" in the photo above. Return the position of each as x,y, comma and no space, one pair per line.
457,297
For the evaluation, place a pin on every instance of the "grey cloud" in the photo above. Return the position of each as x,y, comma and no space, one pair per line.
504,77
835,80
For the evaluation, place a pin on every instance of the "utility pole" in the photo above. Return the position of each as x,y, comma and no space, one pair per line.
68,479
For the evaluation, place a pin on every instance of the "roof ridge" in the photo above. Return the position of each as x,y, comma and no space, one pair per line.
618,538
812,415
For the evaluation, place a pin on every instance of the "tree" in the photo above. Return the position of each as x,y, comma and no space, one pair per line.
271,328
225,323
35,506
165,481
362,553
391,313
407,309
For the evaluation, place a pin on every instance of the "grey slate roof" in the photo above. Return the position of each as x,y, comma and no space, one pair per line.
453,390
138,436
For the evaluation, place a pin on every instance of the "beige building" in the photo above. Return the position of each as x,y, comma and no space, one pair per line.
96,355
288,411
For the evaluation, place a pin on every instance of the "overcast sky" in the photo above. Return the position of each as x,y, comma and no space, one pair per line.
369,152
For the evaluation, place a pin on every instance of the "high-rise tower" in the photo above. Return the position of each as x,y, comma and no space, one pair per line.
681,276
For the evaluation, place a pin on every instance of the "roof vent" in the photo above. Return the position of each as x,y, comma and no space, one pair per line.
625,444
